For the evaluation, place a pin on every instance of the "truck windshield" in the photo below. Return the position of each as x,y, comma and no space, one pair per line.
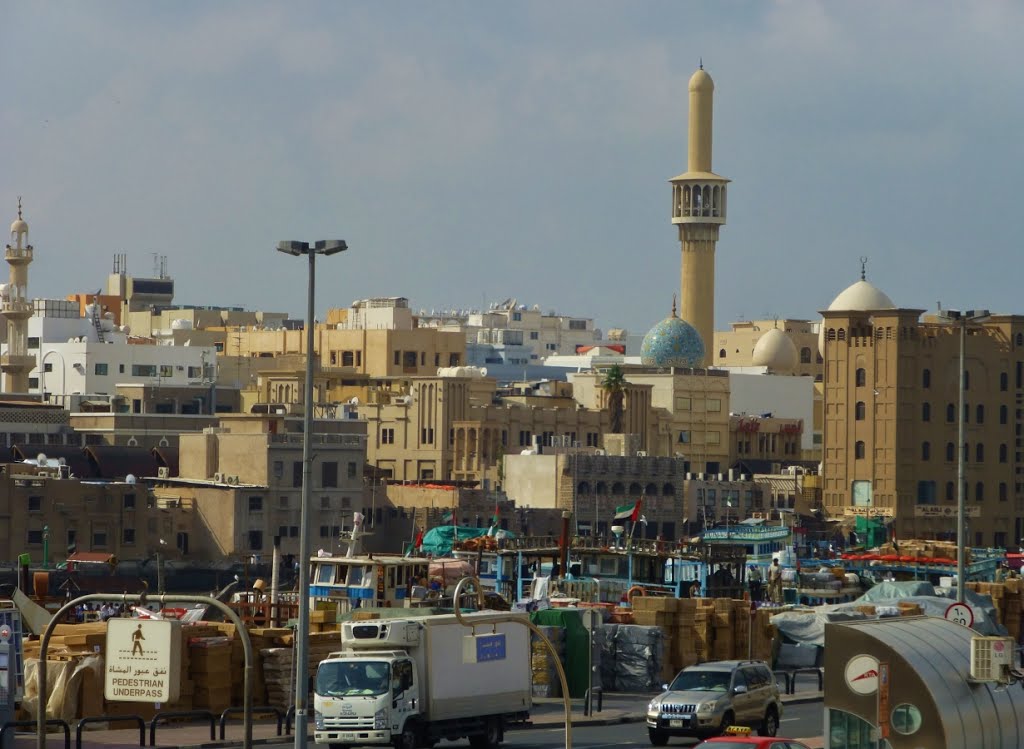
352,678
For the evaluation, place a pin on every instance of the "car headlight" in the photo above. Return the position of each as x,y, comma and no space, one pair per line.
653,709
706,708
318,720
380,719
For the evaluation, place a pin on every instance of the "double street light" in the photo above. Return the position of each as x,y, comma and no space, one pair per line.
320,247
962,320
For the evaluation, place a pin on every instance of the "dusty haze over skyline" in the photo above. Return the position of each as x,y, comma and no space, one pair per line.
471,152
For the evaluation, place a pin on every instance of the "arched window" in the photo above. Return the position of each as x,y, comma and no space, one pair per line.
583,489
950,491
1020,339
805,355
618,489
979,453
1004,381
1004,414
950,452
721,353
1002,453
842,334
651,490
831,334
926,378
926,450
601,488
979,492
926,412
1002,491
635,490
861,377
668,490
858,450
967,380
979,414
950,413
860,410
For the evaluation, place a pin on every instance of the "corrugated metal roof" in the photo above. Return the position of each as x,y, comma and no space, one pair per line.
974,716
116,461
73,456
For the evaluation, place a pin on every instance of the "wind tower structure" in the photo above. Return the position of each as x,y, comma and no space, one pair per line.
16,308
698,209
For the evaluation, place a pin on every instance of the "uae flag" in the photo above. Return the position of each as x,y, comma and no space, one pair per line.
628,512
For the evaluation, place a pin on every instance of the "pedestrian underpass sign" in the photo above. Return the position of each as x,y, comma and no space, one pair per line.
143,660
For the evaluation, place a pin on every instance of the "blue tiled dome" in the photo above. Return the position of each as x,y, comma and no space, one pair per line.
672,343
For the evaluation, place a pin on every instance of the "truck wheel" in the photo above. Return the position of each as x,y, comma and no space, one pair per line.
658,738
490,738
410,738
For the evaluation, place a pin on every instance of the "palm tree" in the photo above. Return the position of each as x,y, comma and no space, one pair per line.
614,384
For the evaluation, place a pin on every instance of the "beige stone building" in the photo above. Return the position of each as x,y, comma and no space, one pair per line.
245,481
764,438
738,347
891,392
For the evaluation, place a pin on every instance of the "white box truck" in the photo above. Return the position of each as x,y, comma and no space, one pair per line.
412,682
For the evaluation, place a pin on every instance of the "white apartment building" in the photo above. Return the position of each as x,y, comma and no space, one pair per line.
79,357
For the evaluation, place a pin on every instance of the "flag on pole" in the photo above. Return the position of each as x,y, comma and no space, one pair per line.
418,543
628,512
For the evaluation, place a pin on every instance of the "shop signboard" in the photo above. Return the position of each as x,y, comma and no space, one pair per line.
883,699
944,511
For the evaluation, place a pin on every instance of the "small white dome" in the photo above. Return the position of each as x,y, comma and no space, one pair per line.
861,297
181,323
776,351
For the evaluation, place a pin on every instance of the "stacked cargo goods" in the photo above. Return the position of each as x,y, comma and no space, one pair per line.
542,663
1006,597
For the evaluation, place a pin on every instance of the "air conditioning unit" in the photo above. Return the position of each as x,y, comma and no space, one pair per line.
598,452
641,453
163,472
218,477
232,480
991,658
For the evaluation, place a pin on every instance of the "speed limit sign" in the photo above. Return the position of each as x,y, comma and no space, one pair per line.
960,613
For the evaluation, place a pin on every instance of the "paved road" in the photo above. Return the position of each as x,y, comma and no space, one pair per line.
799,721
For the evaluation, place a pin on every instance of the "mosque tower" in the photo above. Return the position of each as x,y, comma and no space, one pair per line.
15,306
698,209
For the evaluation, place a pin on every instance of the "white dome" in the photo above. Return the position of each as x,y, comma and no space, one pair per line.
776,351
861,297
181,323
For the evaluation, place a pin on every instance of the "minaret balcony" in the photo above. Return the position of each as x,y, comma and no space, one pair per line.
16,362
18,255
699,198
15,308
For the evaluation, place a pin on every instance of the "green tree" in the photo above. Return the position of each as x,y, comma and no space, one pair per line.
614,384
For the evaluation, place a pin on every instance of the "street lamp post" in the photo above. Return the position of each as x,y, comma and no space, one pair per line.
321,247
962,320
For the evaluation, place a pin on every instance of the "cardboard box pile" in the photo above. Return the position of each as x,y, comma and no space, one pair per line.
1006,596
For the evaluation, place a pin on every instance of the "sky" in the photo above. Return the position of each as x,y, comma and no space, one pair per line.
469,152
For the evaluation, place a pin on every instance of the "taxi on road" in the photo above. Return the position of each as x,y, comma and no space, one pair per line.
741,737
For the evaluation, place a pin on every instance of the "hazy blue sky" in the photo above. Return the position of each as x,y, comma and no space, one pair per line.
473,151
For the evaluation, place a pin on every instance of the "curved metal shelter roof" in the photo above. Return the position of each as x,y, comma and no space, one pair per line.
117,461
937,653
73,456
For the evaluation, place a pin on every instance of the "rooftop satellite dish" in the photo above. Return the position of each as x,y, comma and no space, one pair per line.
354,401
41,459
130,478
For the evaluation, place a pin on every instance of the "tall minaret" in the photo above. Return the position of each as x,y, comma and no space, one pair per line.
16,361
698,208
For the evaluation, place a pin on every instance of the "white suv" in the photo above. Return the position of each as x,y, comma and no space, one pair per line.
704,700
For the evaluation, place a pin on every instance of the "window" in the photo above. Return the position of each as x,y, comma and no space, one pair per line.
858,450
33,342
859,411
143,370
255,540
278,469
861,377
129,501
329,474
534,335
979,453
348,359
714,404
926,378
926,412
100,368
1004,414
805,355
721,353
950,413
398,358
1004,381
255,504
714,437
325,503
926,492
47,367
194,373
967,380
352,467
297,473
128,535
99,537
950,491
35,537
926,450
120,368
1002,453
979,492
387,436
35,504
683,404
167,370
1002,493
979,415
283,502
